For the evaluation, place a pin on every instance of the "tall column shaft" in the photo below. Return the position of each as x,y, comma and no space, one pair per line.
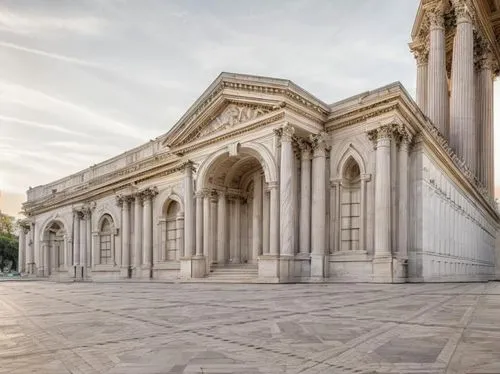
274,219
286,192
189,216
237,230
305,201
206,225
21,258
221,229
318,213
257,217
422,81
179,228
437,85
126,233
199,224
383,192
137,231
147,231
462,123
484,121
403,199
76,239
213,228
83,240
265,223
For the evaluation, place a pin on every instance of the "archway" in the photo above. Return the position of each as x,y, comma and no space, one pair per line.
171,231
233,189
53,248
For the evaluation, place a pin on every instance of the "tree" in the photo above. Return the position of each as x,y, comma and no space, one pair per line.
9,243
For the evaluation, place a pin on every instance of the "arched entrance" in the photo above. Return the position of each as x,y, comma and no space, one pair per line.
235,206
53,248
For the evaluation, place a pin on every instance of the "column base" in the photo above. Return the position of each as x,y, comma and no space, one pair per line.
319,269
125,272
193,267
268,267
79,272
136,272
383,269
146,272
286,268
399,270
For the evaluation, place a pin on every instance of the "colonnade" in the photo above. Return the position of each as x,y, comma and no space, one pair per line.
461,107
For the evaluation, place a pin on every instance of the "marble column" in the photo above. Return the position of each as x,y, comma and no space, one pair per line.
21,258
382,137
30,257
213,228
274,218
236,230
76,238
305,199
437,85
362,217
462,107
125,236
199,223
257,217
318,207
422,78
403,212
189,214
207,237
484,117
147,231
179,229
221,228
137,233
286,191
265,222
84,221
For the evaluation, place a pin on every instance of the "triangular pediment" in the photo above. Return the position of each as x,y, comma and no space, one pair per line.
234,101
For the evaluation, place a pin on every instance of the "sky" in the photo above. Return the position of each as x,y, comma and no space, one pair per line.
82,81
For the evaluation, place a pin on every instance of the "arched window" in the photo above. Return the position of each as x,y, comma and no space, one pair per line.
172,228
350,203
105,245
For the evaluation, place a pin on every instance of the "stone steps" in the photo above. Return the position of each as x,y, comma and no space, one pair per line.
234,273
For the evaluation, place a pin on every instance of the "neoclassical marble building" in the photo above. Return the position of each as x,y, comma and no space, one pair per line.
262,181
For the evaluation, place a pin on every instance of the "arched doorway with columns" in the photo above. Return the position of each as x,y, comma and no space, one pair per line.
54,249
234,189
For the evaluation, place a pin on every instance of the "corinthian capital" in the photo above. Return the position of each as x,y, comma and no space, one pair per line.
319,143
287,133
462,11
435,15
380,133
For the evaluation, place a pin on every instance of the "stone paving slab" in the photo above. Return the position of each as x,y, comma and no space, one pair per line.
121,328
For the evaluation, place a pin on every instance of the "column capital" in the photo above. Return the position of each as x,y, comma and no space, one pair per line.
402,135
435,15
149,193
462,11
305,149
384,132
189,166
319,143
420,50
287,133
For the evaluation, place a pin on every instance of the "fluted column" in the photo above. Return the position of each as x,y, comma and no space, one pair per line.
286,191
179,229
221,229
206,224
437,97
462,123
147,229
125,204
318,209
236,228
21,258
484,119
189,214
76,238
213,228
199,223
274,218
137,231
265,222
422,78
305,199
257,217
382,138
31,250
403,175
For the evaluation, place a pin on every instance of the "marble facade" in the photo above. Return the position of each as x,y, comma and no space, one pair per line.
260,177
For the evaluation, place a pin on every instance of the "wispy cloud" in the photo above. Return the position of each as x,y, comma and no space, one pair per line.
41,125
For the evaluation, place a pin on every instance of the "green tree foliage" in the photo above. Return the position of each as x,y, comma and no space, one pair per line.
8,243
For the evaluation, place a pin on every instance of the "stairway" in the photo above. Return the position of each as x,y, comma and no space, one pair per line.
233,273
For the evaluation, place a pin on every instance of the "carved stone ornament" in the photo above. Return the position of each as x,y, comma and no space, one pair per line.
233,115
382,132
287,132
436,15
462,11
305,148
319,143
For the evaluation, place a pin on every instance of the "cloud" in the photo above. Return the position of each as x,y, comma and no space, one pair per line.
32,24
41,125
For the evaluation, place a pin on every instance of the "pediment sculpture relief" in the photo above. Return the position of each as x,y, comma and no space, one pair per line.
233,115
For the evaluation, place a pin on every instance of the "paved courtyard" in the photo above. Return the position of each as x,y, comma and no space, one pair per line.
227,328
